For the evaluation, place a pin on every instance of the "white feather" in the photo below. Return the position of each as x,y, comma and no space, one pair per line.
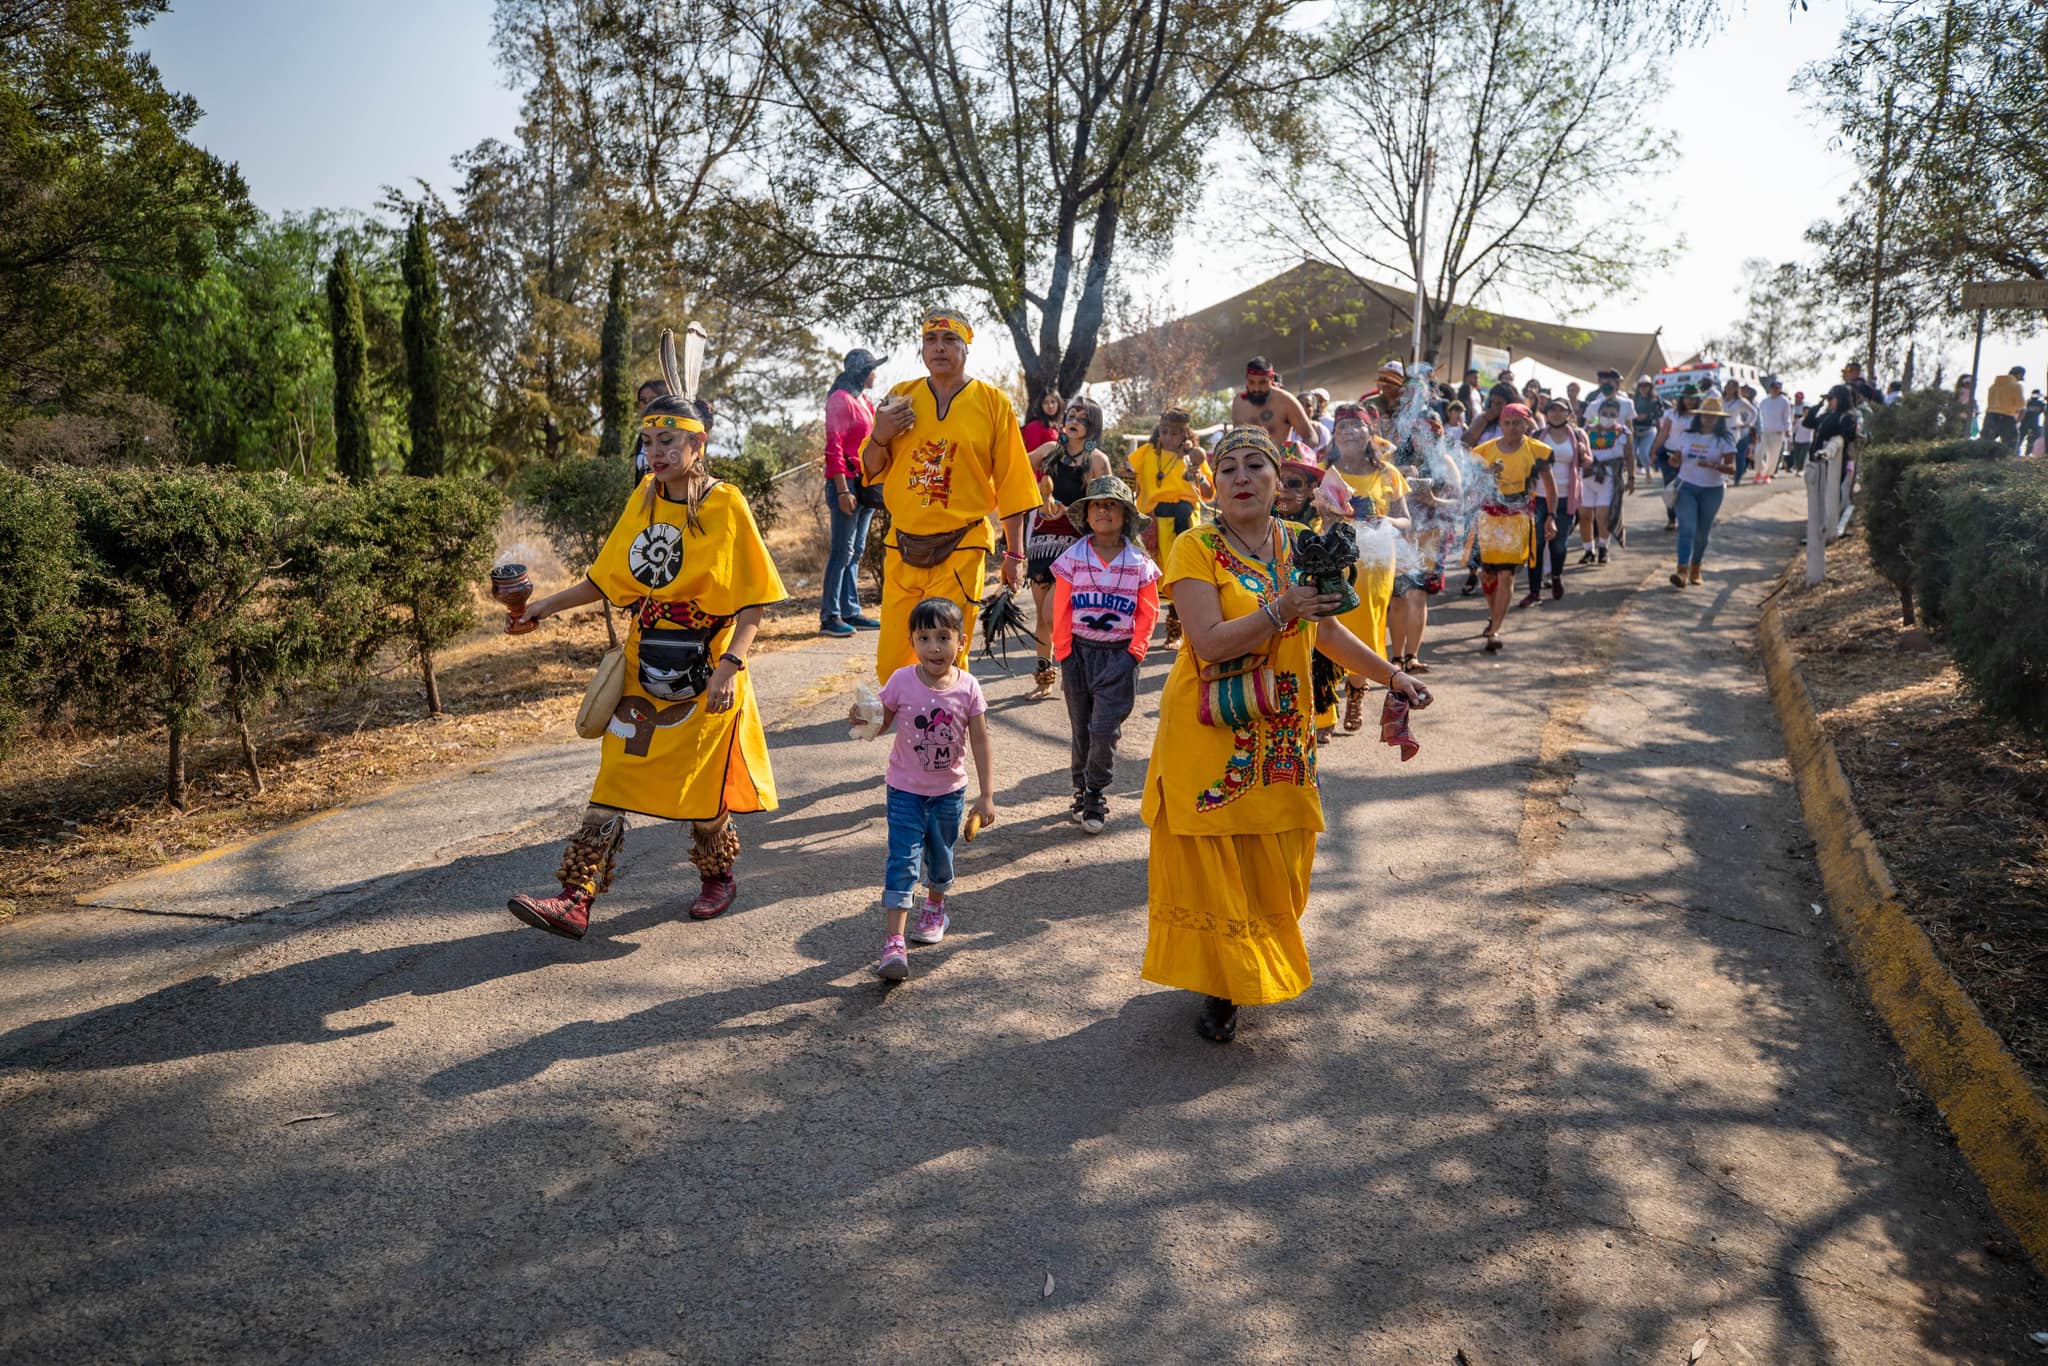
693,359
619,728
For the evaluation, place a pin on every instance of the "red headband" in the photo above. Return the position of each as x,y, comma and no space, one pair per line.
1520,410
1255,370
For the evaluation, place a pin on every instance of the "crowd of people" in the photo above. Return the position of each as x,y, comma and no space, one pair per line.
1290,555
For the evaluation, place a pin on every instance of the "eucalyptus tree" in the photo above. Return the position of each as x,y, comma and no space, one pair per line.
1008,155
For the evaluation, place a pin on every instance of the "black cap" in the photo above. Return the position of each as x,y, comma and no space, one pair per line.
861,361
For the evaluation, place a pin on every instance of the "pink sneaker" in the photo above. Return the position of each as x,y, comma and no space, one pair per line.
932,922
895,964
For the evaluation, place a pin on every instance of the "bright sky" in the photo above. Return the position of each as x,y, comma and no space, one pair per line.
324,103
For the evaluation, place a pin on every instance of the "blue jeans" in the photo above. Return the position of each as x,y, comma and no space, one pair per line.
1698,506
841,596
922,831
1742,455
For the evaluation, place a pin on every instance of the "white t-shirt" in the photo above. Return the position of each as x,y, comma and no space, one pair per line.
1697,452
1741,417
1774,414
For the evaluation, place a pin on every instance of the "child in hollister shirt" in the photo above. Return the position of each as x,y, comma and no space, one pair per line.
938,712
1105,601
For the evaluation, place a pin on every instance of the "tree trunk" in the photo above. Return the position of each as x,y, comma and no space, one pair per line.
174,781
1905,605
248,749
433,684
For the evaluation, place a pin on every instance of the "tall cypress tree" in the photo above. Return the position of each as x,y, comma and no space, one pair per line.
614,399
426,364
352,455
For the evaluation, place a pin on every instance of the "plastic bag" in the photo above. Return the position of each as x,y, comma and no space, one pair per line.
867,705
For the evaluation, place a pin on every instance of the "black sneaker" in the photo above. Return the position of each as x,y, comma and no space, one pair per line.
1603,555
1588,557
1094,813
1080,805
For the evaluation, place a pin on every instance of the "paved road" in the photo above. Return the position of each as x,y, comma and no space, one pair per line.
1582,1078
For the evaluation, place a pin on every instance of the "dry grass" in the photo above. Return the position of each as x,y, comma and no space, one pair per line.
1957,800
80,809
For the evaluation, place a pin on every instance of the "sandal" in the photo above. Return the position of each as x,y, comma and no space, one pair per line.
1410,664
1218,1021
1493,645
1354,707
1045,679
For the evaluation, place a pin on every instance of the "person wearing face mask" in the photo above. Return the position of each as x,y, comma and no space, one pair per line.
1518,466
1554,516
1231,799
948,454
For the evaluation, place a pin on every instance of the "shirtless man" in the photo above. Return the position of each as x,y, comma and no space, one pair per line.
1264,404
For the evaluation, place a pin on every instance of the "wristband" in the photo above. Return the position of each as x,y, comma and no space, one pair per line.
738,664
1273,615
1013,555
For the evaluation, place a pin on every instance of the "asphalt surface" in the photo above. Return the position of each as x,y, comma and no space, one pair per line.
1582,1077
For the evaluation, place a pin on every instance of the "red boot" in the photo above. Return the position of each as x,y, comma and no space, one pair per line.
585,872
715,854
567,915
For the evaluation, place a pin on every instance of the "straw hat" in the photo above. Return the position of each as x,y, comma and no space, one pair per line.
1710,407
1107,488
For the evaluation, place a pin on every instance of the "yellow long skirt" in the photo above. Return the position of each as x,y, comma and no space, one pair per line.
1368,620
1225,914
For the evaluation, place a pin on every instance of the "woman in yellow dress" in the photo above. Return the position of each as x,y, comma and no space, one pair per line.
685,742
1172,478
1371,478
1231,794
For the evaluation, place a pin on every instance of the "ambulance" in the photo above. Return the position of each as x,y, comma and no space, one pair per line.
1673,378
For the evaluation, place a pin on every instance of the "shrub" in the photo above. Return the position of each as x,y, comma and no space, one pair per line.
1918,415
1994,603
420,548
1895,501
577,501
753,474
182,603
38,595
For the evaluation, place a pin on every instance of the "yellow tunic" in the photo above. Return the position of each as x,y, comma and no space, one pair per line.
1375,585
1162,477
1507,539
667,756
1234,814
944,473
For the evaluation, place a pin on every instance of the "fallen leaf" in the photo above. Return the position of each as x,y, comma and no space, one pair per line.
1699,1349
304,1119
1046,1293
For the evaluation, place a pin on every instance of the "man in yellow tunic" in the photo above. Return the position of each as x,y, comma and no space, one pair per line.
685,741
1231,794
948,454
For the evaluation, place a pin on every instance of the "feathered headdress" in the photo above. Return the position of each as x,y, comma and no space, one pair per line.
681,378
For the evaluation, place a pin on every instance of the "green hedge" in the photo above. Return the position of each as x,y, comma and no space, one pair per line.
1962,532
1989,598
1895,484
166,596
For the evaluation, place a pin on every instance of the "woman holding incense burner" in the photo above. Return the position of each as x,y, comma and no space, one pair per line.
685,741
1231,796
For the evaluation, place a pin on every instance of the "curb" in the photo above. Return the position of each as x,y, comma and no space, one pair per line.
1998,1120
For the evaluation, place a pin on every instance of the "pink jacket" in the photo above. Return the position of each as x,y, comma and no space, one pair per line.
849,417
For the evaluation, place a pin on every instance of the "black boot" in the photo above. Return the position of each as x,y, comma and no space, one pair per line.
1218,1021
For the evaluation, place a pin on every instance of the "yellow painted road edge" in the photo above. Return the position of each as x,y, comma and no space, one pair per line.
1999,1121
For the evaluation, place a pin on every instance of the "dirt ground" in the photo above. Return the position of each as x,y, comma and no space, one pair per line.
1957,800
79,809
